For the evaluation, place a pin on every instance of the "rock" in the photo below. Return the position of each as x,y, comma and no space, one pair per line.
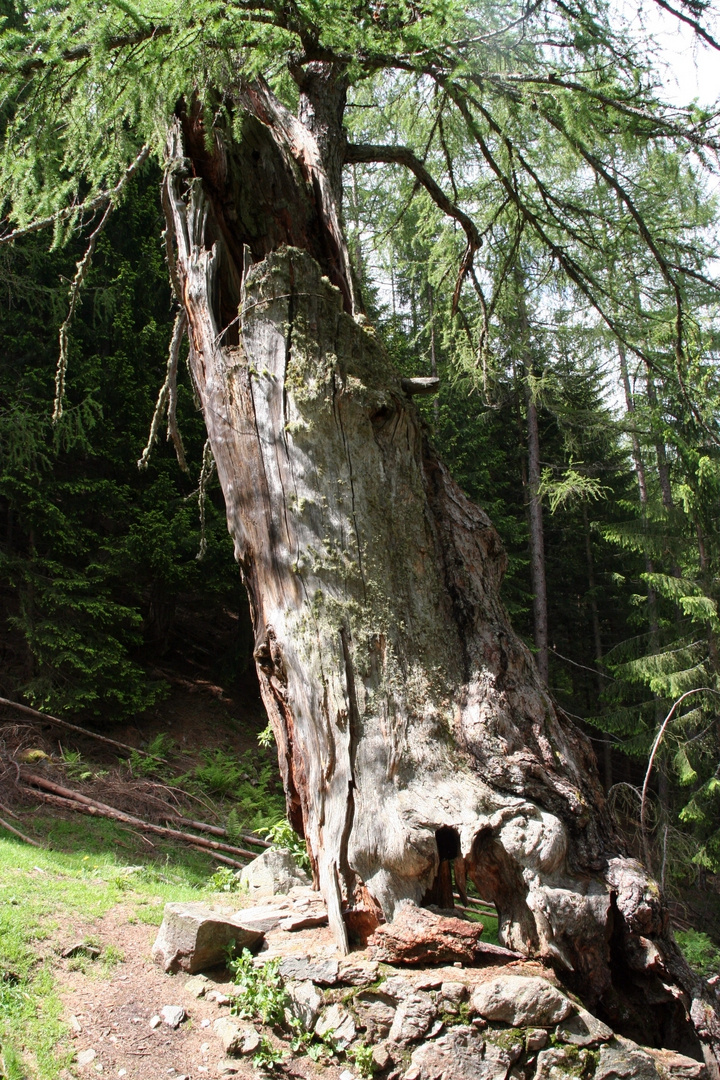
358,972
195,936
172,1015
337,1023
230,1035
673,1064
86,1056
81,948
376,1011
235,1039
228,1067
419,936
460,1054
562,1062
413,1019
398,987
536,1039
583,1029
303,920
306,1001
453,992
262,918
303,968
218,997
521,1002
382,1059
251,1041
622,1059
275,871
155,1022
197,985
346,1075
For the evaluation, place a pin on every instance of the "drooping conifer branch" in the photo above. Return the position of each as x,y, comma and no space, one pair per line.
364,153
80,209
63,337
167,399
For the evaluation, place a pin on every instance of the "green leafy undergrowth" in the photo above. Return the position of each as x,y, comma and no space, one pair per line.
250,781
284,836
94,865
700,951
261,991
262,995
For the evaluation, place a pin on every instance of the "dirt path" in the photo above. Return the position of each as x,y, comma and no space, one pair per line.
111,1014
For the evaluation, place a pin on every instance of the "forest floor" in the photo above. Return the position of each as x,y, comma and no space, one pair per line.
79,913
102,884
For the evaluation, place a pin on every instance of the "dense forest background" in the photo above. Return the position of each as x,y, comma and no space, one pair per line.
594,452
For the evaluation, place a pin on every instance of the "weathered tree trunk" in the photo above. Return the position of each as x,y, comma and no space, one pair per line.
412,728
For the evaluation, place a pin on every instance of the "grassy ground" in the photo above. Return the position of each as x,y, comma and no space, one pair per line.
87,866
92,866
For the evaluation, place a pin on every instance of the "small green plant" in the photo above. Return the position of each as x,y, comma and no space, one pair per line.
266,737
112,956
261,990
284,836
225,880
250,781
11,1067
267,1056
700,951
75,767
153,761
362,1055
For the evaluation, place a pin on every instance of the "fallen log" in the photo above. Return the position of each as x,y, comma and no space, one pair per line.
216,830
223,859
99,809
483,907
74,727
16,832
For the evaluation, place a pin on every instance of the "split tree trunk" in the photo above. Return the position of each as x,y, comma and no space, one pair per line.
413,731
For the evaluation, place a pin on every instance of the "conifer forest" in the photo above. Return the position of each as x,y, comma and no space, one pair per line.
388,335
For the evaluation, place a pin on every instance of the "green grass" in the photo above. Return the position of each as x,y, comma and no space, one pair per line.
88,867
490,929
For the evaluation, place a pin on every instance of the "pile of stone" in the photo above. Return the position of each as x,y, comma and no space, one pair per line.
488,1016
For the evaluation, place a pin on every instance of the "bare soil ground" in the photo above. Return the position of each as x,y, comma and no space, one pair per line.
111,1016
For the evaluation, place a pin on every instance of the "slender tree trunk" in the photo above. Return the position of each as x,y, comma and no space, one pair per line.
433,357
597,643
642,491
653,621
537,540
534,505
408,716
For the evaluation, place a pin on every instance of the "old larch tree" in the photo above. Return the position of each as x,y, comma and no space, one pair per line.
415,739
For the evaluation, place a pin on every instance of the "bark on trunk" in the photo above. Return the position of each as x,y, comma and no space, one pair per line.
412,729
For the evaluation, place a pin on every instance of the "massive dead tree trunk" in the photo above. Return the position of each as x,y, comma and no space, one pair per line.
413,731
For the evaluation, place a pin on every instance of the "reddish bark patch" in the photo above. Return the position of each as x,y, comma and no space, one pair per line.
419,936
363,918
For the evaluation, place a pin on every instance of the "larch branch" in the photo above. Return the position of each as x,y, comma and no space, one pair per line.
367,153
